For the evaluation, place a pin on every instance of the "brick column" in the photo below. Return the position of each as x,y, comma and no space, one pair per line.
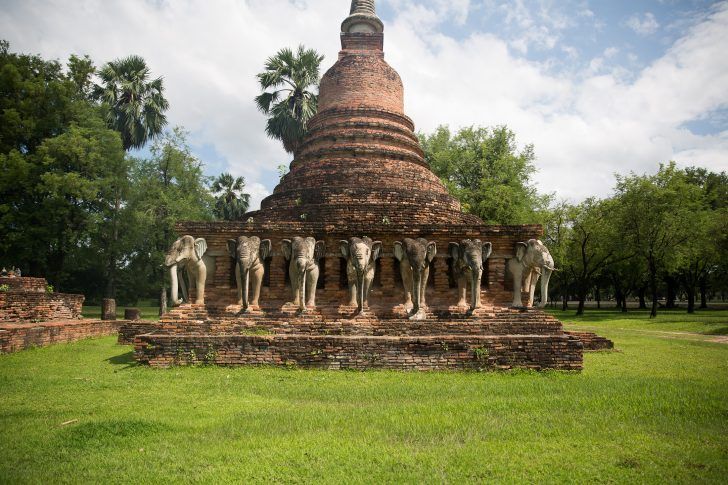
108,309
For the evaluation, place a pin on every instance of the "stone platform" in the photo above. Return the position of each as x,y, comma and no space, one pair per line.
493,338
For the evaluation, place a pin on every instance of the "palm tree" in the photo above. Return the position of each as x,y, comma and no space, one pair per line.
231,200
136,104
290,103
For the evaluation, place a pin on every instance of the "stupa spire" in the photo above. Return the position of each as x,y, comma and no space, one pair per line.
362,18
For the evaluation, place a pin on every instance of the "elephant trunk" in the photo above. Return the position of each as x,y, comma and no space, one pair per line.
545,286
416,293
360,293
244,278
476,274
301,284
174,284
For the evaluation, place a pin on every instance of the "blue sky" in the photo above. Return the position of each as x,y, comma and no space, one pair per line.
597,86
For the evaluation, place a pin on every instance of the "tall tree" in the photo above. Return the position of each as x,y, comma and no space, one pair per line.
654,213
290,97
484,169
231,201
135,103
166,188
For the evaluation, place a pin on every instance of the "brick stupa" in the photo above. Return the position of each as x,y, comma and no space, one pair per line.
360,172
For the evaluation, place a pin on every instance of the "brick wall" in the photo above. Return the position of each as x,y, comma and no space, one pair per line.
27,306
16,337
37,285
592,341
559,352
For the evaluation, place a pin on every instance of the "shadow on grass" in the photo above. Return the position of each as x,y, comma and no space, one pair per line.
126,360
108,433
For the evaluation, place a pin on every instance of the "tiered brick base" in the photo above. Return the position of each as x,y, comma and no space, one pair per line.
21,336
592,341
495,338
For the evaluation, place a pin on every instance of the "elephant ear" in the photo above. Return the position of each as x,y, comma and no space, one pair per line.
200,247
287,248
431,251
398,251
453,249
376,250
319,250
232,246
344,247
265,249
520,250
487,250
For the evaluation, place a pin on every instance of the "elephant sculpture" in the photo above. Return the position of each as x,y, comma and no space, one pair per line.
304,255
533,260
468,258
187,256
361,256
415,256
249,254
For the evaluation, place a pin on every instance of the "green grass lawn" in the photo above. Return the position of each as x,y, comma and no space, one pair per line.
656,411
148,312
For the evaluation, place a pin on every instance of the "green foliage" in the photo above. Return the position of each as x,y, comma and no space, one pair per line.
287,96
231,202
291,425
4,288
49,289
484,169
169,186
134,103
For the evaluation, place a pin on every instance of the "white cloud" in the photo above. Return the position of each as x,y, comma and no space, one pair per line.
585,125
643,25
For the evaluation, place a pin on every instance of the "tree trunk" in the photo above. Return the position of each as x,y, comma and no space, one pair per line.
580,308
691,298
641,293
564,302
598,295
653,290
670,299
163,301
703,293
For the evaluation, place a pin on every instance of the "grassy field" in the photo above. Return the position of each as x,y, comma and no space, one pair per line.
655,411
148,312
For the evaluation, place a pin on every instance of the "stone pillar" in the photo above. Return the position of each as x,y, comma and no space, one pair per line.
132,314
108,309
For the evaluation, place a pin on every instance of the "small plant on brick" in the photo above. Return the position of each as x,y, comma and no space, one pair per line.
211,355
304,217
299,201
250,220
49,289
444,346
316,352
4,288
480,353
386,221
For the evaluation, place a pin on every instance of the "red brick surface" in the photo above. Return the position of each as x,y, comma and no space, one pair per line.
15,337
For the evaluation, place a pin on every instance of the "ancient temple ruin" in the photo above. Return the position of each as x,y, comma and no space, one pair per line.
360,173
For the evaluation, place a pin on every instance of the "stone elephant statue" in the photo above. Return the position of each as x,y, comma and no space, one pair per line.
533,260
187,257
415,256
468,258
361,256
249,254
304,255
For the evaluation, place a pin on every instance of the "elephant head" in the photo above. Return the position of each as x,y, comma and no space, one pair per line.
361,255
249,254
533,260
303,254
186,254
468,257
415,256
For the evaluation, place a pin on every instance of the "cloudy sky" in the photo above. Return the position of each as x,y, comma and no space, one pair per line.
598,86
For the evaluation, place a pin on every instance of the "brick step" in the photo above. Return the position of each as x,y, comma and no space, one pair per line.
434,352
